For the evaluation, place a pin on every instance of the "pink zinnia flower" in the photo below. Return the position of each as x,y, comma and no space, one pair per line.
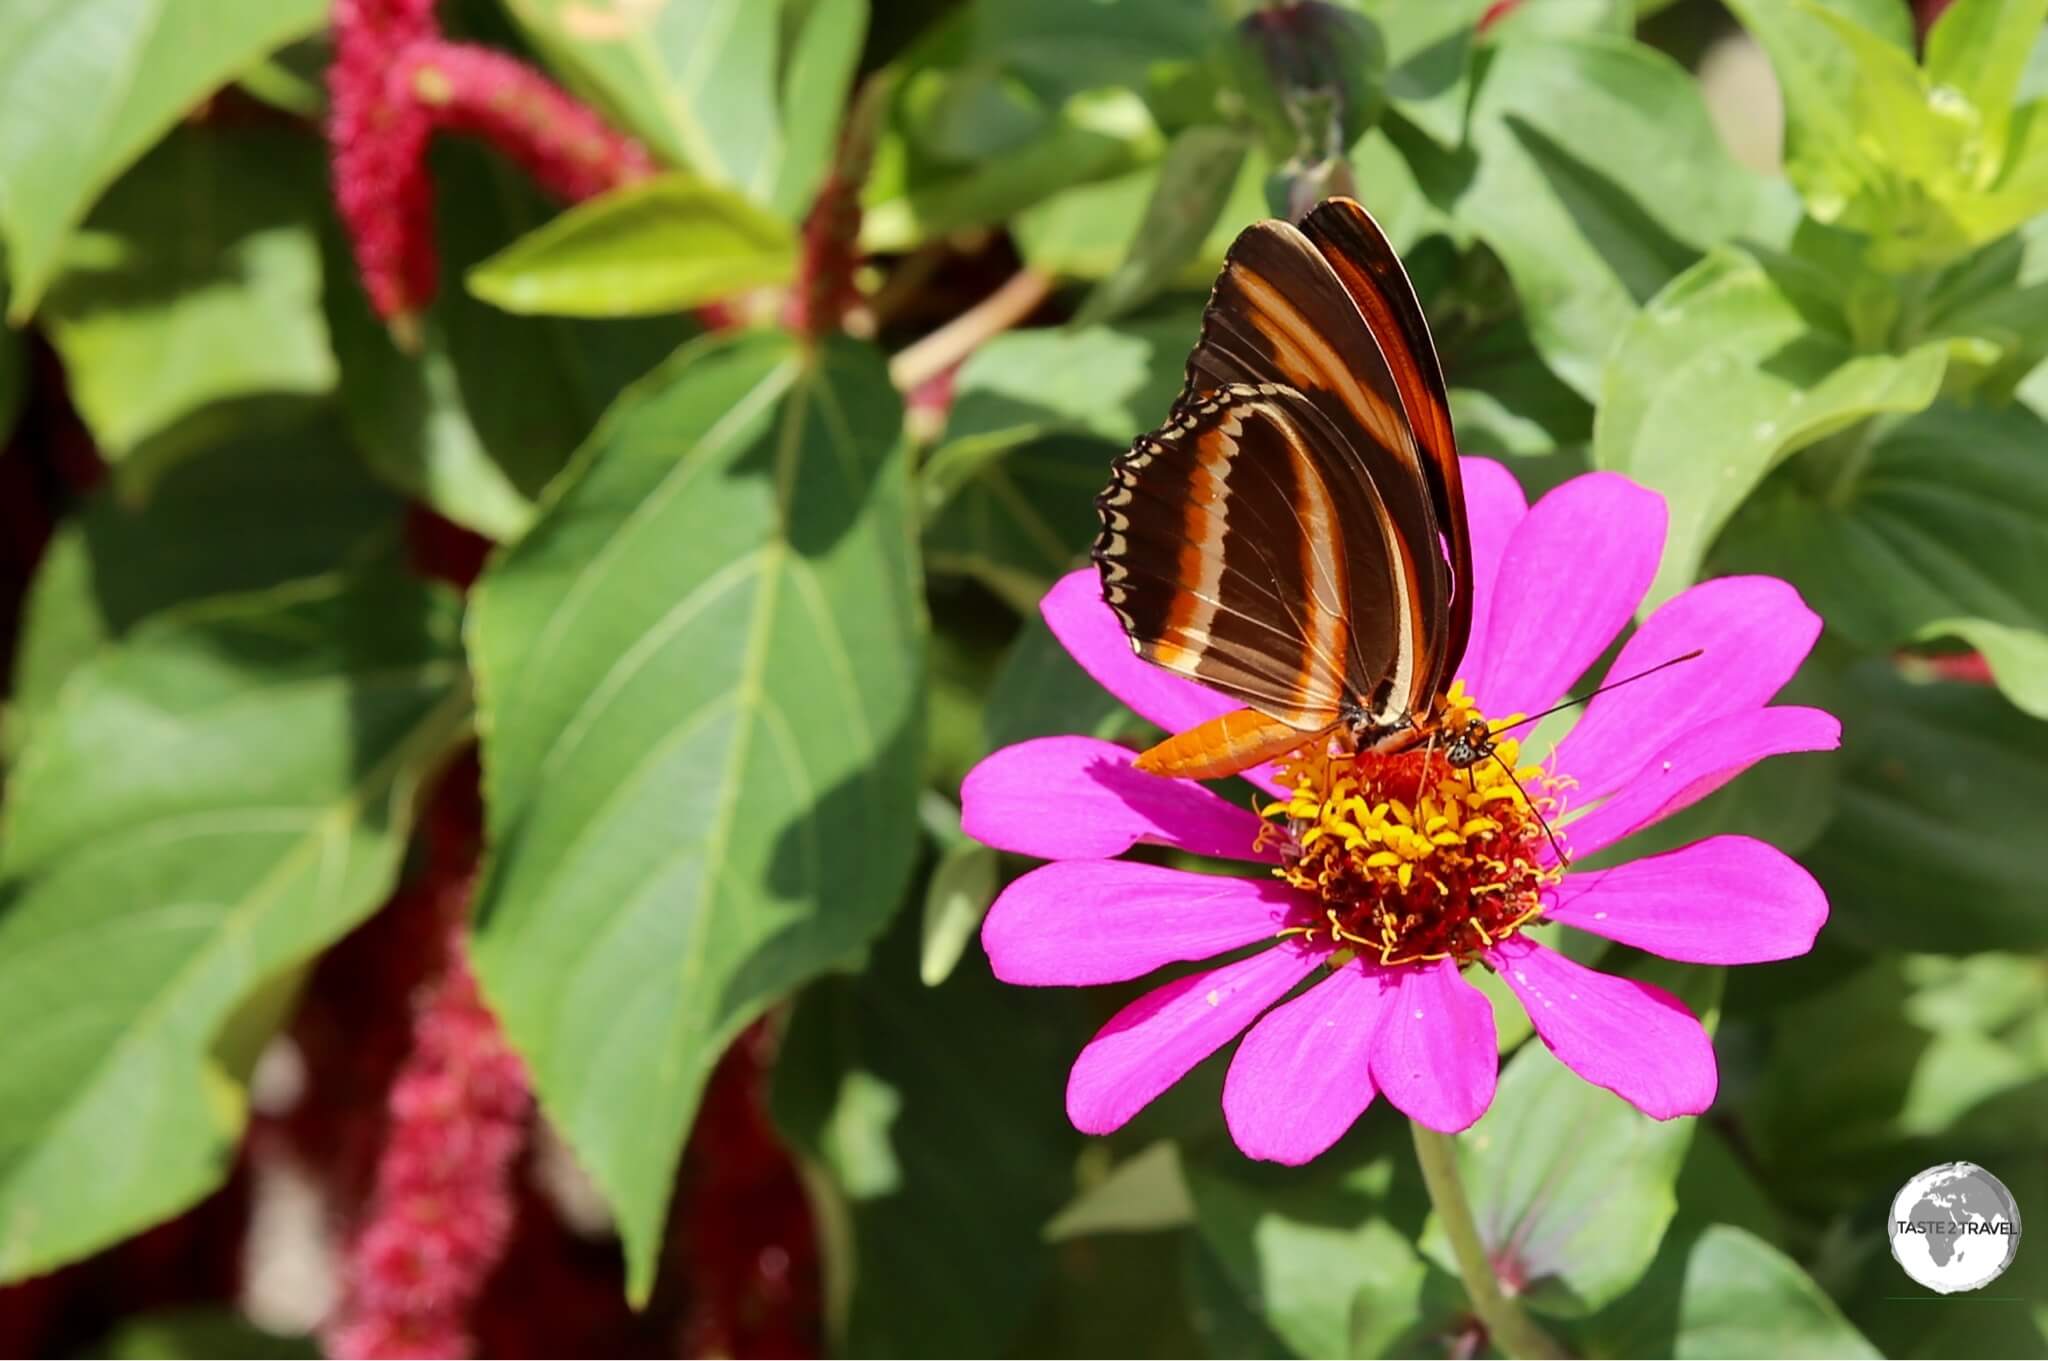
1394,875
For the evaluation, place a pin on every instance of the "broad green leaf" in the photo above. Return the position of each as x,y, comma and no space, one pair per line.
1093,137
1979,48
1735,1295
490,407
1081,232
1564,17
1109,382
1429,58
1598,177
251,512
696,81
963,884
2018,657
1146,1192
1325,1257
190,300
817,75
699,680
269,749
934,1121
90,85
664,245
1943,805
1725,374
1947,520
1062,47
1022,520
1571,1186
1195,181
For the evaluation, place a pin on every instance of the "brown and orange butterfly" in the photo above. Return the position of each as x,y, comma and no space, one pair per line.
1294,536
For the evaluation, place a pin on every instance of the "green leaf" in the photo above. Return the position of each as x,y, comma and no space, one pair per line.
1144,1193
934,1121
1948,520
193,294
1564,17
90,85
909,199
1598,177
696,81
1979,48
1062,47
241,515
1943,803
1724,375
1324,1258
816,77
1109,382
1429,59
699,683
663,245
1572,1187
269,749
1195,181
1022,520
13,381
489,409
962,886
1736,1296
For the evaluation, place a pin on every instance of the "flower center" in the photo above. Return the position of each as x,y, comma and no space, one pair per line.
1410,857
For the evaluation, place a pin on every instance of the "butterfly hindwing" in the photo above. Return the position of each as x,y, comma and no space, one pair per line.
1243,546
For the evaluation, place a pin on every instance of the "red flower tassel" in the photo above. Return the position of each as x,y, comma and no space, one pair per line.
394,81
442,1212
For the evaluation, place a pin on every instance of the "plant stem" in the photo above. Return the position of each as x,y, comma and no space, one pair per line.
958,338
1513,1331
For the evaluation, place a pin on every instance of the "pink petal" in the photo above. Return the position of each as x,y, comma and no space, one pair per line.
1153,1043
1725,900
1436,1055
1696,764
1576,570
1089,631
1078,798
1636,1040
1077,922
1494,506
1754,632
1300,1079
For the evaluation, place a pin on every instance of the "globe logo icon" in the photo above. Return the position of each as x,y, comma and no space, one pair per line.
1954,1227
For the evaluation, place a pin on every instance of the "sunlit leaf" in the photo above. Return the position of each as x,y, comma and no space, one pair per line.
269,748
664,245
698,677
1727,372
191,297
1195,181
91,84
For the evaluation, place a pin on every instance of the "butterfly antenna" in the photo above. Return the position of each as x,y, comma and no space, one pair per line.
1591,694
1530,804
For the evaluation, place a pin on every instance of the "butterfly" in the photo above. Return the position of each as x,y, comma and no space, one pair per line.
1294,536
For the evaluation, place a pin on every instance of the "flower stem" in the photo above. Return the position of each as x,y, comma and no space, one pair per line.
1513,1331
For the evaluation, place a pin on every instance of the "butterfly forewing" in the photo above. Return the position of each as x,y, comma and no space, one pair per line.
1364,261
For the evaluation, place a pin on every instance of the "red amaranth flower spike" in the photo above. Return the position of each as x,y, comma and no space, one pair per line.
378,141
394,81
570,151
443,1208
